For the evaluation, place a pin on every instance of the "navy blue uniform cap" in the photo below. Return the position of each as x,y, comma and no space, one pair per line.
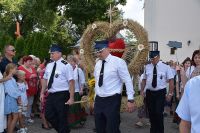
99,45
153,54
55,48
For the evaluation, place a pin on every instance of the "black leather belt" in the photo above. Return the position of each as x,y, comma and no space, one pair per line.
108,96
59,92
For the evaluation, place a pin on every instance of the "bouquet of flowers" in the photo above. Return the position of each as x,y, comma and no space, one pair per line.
91,85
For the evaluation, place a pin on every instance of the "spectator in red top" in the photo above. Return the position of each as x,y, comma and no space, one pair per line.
31,79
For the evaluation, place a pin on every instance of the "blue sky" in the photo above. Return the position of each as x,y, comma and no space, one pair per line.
134,10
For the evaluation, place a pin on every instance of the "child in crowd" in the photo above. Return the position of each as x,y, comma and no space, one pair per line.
12,97
24,101
2,98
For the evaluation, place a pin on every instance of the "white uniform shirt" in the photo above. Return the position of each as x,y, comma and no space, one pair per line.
189,72
23,88
115,74
188,108
173,71
140,83
79,78
164,73
63,74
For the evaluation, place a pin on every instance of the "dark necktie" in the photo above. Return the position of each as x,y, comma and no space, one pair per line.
101,74
52,76
154,81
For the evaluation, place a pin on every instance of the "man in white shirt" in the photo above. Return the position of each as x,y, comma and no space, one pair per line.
155,79
110,73
59,81
188,109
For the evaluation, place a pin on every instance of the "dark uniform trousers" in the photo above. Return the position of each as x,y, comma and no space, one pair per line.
56,111
155,103
107,114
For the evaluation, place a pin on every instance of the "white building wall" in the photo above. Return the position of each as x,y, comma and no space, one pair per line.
173,20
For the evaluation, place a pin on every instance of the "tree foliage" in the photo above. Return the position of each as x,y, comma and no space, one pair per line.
37,44
84,12
44,22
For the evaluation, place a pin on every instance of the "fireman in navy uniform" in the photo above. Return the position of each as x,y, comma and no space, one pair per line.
60,84
110,73
156,77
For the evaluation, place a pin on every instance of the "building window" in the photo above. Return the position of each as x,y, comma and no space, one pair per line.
153,45
172,51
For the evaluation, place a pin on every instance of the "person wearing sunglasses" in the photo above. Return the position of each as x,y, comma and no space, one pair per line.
9,53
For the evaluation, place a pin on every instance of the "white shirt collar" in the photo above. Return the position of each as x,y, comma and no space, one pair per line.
108,58
59,60
159,62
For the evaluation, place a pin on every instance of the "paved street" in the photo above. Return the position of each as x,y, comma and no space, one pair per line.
127,125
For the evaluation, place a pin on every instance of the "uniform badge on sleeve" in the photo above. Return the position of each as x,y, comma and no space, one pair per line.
64,62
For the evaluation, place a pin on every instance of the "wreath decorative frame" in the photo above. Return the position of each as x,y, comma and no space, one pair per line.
107,31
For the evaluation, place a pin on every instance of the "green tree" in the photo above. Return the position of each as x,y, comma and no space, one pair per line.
84,12
47,21
37,44
31,14
19,46
5,39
